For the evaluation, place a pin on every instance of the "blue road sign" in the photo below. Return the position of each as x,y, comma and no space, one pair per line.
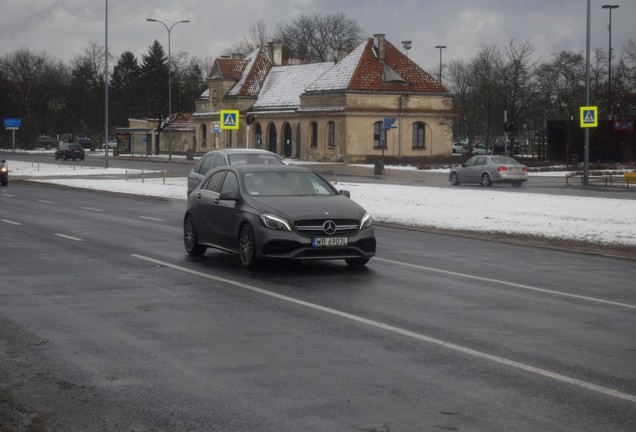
388,123
12,123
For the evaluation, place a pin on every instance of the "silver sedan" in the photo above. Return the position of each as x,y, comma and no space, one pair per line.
487,170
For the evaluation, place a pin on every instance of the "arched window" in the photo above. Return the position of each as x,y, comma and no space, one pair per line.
379,135
272,138
258,136
331,134
419,135
313,131
204,135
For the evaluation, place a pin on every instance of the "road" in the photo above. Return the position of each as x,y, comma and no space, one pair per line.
180,167
107,325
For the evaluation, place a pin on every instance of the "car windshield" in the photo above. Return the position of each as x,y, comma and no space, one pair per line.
285,184
254,159
504,160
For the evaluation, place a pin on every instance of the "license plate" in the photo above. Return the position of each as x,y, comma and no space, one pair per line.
329,241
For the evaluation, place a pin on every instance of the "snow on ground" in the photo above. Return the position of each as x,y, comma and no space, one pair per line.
596,220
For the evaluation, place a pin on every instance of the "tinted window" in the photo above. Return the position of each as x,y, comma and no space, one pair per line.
219,161
230,184
480,161
214,182
286,183
255,159
504,160
205,165
470,162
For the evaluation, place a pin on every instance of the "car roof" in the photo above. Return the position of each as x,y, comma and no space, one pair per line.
241,151
242,169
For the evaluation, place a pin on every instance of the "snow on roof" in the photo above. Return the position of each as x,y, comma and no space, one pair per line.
362,70
339,76
284,84
258,64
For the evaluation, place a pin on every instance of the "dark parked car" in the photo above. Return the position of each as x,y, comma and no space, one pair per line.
276,211
487,170
217,158
4,172
69,151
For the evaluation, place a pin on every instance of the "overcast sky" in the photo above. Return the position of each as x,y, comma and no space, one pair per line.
63,28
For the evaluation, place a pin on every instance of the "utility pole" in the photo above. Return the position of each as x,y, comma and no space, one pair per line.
440,47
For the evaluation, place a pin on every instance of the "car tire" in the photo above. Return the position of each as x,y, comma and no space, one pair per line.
191,238
356,262
454,179
516,184
247,246
4,182
486,181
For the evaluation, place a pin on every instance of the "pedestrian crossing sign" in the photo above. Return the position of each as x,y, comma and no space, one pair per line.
589,116
229,119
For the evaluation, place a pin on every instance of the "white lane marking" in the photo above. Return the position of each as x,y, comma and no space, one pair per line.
91,209
46,202
11,222
512,284
152,218
69,237
469,351
8,195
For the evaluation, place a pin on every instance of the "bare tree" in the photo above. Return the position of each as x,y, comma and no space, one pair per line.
36,91
318,38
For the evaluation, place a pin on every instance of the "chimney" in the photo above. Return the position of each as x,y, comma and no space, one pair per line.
237,56
276,52
378,41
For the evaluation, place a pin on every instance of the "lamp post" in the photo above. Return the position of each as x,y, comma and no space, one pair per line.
169,29
609,66
407,47
441,47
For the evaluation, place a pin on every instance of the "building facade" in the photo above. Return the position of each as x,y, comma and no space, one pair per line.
327,111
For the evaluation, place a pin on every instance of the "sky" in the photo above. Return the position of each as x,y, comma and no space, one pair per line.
607,221
64,28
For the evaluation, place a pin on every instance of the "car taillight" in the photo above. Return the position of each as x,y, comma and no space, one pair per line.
502,168
525,169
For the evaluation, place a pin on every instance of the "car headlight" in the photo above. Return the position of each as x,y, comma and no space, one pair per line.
3,169
366,221
275,222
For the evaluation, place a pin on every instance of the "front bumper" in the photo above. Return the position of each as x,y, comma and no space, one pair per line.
291,245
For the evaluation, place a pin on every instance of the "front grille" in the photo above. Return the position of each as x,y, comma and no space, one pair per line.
314,227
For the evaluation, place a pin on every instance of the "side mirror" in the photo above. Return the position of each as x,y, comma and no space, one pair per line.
228,196
345,193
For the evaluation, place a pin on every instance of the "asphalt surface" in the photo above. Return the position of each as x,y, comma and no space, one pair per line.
106,324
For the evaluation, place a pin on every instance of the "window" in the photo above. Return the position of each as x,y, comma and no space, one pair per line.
218,161
331,126
230,184
313,130
379,135
214,182
204,136
205,164
419,135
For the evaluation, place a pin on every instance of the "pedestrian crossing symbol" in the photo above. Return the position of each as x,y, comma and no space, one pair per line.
229,119
589,116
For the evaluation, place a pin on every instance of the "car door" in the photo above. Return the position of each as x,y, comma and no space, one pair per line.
464,171
200,169
475,170
227,214
204,206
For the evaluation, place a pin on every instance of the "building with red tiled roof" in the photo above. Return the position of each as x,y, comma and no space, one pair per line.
331,111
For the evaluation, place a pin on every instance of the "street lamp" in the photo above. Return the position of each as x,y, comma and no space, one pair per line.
609,72
169,29
441,47
407,47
